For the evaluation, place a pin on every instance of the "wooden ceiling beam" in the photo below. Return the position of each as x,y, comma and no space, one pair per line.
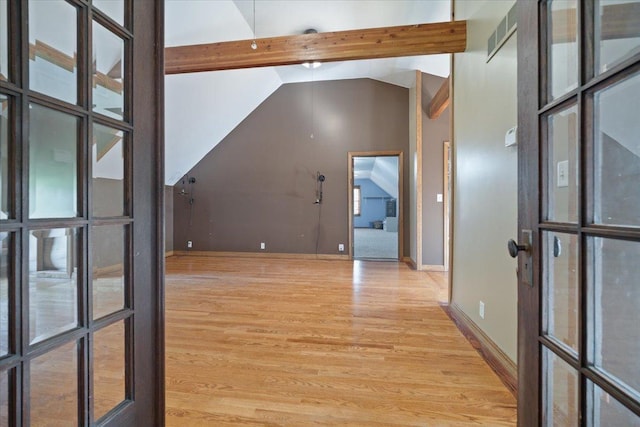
386,42
440,101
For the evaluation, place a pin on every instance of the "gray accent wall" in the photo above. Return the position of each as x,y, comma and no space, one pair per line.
168,218
434,133
259,184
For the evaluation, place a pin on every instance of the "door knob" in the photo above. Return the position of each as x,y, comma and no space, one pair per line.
557,247
514,248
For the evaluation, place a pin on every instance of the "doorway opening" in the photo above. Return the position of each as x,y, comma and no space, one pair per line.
375,200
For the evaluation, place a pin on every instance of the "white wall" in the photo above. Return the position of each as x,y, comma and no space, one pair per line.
485,204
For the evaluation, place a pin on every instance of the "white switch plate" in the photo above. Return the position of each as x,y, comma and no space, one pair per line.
189,244
439,198
481,310
563,174
341,247
263,245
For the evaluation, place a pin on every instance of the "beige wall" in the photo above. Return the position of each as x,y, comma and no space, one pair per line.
485,204
413,173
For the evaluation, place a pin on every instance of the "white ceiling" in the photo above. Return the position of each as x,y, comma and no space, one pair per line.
202,108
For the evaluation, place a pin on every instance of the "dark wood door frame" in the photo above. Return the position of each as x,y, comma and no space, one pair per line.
528,208
538,105
148,107
142,312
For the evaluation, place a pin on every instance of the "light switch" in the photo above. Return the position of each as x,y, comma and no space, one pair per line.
563,174
439,198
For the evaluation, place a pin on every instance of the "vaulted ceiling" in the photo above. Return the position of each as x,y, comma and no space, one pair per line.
202,108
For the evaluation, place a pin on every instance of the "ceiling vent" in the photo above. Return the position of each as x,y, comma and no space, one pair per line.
505,29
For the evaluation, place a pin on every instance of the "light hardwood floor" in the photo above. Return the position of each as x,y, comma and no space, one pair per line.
266,342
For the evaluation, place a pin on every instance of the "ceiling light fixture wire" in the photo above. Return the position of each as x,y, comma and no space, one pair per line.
254,45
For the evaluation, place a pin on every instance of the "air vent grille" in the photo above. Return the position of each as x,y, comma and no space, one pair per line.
505,29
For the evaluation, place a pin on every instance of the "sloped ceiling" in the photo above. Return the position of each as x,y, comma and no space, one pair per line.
202,108
382,170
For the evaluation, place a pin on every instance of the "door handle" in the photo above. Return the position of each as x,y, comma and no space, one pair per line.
557,247
514,248
526,274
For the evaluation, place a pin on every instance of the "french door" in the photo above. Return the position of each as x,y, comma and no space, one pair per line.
80,213
579,213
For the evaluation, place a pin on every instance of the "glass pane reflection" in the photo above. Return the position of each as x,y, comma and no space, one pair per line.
559,391
53,64
617,154
114,9
108,74
5,199
53,282
4,398
5,269
54,387
108,269
53,183
563,47
4,40
613,334
109,368
108,171
607,411
562,167
560,288
616,32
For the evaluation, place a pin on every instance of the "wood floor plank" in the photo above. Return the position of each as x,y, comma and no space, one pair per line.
277,342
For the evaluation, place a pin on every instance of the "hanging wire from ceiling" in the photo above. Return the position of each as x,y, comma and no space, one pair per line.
254,45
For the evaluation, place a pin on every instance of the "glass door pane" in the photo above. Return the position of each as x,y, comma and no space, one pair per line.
108,75
560,391
53,282
616,32
4,40
53,49
560,289
54,387
562,166
5,392
53,163
616,155
114,9
606,411
562,17
5,276
5,185
109,266
109,368
108,171
614,336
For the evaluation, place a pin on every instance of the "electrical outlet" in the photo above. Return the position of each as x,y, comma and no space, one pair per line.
481,310
189,244
263,245
341,247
